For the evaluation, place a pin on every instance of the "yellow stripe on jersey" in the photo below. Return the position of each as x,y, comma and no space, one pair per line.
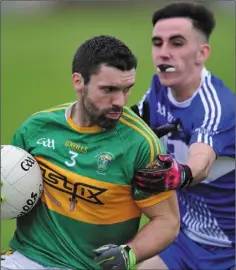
51,110
141,127
152,153
57,107
96,202
137,120
64,104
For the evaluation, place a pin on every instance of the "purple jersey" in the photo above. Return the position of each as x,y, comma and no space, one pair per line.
207,209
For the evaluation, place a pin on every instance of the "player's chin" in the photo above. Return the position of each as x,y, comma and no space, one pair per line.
108,123
169,82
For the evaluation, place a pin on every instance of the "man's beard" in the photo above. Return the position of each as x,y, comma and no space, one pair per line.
96,116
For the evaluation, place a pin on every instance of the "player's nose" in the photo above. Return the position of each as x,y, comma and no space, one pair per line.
162,52
118,99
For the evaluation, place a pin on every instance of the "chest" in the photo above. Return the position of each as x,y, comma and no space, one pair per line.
86,176
178,139
183,117
96,156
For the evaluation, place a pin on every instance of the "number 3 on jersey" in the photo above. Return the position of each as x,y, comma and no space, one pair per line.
72,161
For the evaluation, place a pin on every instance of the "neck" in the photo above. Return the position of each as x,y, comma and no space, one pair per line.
78,116
185,91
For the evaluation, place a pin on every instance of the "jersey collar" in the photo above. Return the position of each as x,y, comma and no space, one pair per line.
187,103
77,128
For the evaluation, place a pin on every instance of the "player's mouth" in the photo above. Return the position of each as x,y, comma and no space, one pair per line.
114,115
164,68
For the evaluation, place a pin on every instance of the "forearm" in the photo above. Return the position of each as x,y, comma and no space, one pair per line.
154,237
161,231
200,167
200,163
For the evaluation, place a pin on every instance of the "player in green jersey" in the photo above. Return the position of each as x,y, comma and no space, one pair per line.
88,216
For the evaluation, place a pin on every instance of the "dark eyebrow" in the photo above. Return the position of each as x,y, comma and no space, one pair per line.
177,36
157,38
131,85
112,87
115,88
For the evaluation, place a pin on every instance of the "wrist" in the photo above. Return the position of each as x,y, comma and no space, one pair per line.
188,176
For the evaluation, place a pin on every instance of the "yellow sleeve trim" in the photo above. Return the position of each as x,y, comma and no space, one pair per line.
155,199
57,108
152,154
147,129
51,110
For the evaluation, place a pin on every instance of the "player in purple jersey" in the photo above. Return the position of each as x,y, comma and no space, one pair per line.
201,110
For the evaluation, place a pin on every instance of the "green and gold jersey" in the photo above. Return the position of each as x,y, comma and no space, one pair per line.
87,200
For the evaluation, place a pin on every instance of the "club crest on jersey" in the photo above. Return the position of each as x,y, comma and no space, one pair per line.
103,162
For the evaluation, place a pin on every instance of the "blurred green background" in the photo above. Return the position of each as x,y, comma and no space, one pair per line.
37,46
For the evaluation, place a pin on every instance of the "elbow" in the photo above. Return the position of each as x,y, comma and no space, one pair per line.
202,175
205,174
175,221
201,170
205,171
175,227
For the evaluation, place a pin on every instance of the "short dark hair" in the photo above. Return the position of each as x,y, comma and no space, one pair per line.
102,50
202,18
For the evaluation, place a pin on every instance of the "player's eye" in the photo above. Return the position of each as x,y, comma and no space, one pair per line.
126,90
110,89
157,44
177,43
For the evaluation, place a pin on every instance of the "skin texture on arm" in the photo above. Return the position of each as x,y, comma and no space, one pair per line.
161,230
201,158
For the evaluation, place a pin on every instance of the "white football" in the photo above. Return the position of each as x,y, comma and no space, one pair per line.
21,182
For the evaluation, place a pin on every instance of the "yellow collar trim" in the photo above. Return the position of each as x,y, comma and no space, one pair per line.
93,129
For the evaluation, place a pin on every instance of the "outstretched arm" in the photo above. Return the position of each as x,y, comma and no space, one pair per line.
205,145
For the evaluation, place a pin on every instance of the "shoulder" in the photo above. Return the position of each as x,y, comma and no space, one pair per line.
134,124
216,93
53,110
137,134
217,99
50,114
38,119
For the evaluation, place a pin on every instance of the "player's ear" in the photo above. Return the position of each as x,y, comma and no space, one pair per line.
78,82
203,54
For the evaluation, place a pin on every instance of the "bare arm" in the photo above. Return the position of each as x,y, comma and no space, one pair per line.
161,230
201,158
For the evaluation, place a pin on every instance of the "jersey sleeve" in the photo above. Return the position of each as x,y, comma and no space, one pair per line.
147,153
19,138
215,128
23,134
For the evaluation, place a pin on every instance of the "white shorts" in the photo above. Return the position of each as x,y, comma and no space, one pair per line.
18,261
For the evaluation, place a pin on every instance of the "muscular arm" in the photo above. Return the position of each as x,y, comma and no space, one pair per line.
161,230
201,158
